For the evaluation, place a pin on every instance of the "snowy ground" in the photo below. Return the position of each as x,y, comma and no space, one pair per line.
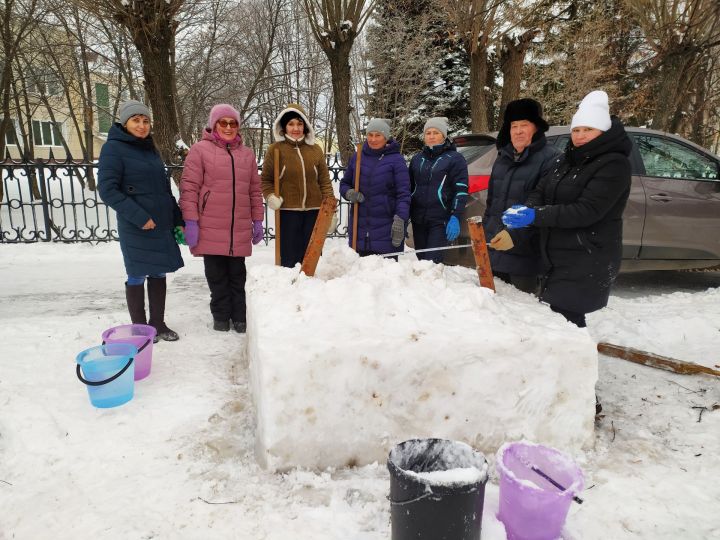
177,461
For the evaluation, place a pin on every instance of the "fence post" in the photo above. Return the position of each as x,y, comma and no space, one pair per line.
44,199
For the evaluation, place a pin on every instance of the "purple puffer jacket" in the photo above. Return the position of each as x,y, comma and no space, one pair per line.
385,183
220,190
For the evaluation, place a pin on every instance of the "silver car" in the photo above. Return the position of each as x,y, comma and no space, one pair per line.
672,219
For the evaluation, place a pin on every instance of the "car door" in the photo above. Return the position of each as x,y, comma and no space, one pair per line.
682,189
634,214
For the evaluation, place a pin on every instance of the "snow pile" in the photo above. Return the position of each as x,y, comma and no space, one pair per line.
372,352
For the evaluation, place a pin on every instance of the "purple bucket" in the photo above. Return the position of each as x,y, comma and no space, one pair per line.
537,485
140,335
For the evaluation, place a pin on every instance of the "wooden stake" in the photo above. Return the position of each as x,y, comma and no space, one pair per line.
358,148
653,360
276,174
317,240
479,247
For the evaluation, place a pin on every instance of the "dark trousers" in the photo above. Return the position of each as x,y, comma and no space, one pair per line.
528,284
296,228
430,235
578,319
226,279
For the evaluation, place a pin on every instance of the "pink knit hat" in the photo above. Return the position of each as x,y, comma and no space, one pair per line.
222,110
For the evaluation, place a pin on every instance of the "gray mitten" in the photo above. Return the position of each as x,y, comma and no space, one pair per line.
397,231
354,196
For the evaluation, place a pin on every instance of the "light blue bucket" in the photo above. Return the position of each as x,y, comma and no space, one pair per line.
109,373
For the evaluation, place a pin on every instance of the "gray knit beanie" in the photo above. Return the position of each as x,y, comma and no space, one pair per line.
131,108
380,125
438,122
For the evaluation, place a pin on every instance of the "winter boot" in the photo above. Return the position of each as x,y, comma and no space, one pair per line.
135,297
239,326
221,326
157,290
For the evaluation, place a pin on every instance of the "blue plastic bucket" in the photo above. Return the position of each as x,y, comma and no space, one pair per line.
108,371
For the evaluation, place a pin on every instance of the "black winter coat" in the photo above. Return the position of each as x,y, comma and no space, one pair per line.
133,182
579,207
439,184
511,181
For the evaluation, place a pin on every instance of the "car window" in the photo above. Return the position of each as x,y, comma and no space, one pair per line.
471,153
667,159
561,142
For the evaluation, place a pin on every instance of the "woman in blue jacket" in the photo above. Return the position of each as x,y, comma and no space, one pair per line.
133,182
439,183
383,196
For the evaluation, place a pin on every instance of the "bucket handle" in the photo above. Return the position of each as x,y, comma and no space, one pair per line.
100,383
141,349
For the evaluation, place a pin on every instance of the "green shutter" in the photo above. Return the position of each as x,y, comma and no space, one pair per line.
102,98
37,133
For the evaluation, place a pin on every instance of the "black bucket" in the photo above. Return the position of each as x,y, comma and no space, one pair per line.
430,497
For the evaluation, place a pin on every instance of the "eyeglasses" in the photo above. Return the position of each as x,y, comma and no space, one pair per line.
226,123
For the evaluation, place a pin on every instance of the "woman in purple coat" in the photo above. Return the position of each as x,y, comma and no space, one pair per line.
383,196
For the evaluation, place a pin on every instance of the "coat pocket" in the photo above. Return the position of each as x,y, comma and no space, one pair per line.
204,202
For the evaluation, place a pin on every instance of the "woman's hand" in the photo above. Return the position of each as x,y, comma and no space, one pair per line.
149,225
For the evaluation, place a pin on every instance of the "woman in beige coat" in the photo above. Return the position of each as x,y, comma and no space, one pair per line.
304,181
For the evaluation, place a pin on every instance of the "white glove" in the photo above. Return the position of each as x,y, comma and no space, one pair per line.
333,224
274,202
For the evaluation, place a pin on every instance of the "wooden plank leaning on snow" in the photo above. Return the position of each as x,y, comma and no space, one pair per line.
317,239
653,360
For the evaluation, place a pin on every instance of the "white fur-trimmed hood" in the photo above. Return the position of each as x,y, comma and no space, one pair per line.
277,130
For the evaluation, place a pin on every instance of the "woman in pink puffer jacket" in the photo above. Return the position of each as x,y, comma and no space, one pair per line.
222,206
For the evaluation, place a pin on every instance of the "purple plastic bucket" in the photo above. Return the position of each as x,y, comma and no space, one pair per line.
140,335
537,485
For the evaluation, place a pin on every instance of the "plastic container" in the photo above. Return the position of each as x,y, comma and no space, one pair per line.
140,335
437,490
537,486
108,372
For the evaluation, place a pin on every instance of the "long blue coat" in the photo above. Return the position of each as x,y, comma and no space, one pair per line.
133,182
439,183
385,183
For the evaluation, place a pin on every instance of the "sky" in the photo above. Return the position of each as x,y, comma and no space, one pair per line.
179,459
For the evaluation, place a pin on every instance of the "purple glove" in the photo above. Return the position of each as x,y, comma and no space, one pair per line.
257,231
192,232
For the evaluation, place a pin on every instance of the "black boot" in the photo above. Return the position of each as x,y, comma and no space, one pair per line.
157,290
135,297
221,326
239,327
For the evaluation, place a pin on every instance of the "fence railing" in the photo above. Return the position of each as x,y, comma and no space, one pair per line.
47,200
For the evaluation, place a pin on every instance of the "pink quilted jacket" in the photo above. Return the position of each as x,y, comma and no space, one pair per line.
220,189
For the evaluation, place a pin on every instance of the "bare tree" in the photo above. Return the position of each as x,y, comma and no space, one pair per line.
335,25
152,24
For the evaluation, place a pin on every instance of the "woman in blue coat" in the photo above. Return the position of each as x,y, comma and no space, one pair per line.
439,183
133,182
383,196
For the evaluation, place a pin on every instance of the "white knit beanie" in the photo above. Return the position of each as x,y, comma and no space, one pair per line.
593,112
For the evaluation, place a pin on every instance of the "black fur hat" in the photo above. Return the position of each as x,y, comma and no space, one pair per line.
521,109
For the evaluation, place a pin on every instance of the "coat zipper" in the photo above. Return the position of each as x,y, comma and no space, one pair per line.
302,164
232,217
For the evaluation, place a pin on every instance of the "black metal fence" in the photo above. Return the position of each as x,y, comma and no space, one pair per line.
48,200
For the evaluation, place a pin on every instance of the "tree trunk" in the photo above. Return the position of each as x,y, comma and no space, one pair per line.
339,58
669,89
478,90
512,58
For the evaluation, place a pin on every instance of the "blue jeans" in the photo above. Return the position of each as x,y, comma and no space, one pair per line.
139,280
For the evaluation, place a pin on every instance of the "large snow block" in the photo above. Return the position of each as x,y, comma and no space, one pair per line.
371,352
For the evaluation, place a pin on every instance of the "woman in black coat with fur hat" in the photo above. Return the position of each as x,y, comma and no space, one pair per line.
578,209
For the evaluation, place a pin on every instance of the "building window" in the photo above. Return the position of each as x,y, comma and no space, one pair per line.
46,133
102,99
45,84
11,134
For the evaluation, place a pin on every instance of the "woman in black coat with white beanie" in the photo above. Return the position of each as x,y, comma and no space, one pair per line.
578,208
